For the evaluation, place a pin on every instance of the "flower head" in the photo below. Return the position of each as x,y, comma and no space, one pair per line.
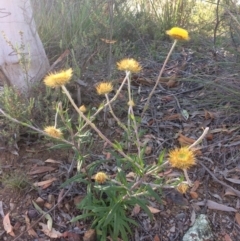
100,177
182,158
58,79
104,88
82,108
178,33
129,65
54,132
182,188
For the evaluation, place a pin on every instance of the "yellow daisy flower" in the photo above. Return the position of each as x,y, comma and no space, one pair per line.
182,158
129,65
100,177
178,33
82,108
182,188
104,88
54,132
59,78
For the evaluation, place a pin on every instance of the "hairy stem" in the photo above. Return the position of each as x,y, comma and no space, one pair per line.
159,77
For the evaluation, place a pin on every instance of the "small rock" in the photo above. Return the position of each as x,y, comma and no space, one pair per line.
200,231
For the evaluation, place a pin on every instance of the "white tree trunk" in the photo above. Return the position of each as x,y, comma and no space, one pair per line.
23,60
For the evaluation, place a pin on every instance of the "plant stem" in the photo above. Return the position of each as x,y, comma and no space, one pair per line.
92,125
187,177
114,116
200,138
34,128
158,79
102,107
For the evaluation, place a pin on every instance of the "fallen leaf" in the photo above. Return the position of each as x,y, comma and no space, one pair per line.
16,226
217,206
237,217
172,83
153,210
183,140
233,180
194,195
40,201
53,161
107,154
78,199
135,210
60,197
7,225
196,185
30,230
166,173
171,117
47,216
227,237
156,238
50,233
208,115
90,235
148,150
229,192
209,137
45,184
72,236
41,169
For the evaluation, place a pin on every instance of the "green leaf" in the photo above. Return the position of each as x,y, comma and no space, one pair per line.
47,215
83,216
185,114
116,225
111,213
76,178
153,193
99,209
61,146
143,206
160,158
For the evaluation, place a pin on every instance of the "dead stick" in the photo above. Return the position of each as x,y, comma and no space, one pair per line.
50,210
222,183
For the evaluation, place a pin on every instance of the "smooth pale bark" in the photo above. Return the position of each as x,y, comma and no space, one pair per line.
23,60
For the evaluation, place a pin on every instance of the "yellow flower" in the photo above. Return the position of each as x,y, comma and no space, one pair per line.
104,88
131,103
182,158
182,188
129,65
82,108
101,177
58,79
54,132
178,33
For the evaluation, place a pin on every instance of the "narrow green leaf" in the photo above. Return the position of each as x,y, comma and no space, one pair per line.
111,213
61,146
47,216
153,193
160,158
144,207
83,216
